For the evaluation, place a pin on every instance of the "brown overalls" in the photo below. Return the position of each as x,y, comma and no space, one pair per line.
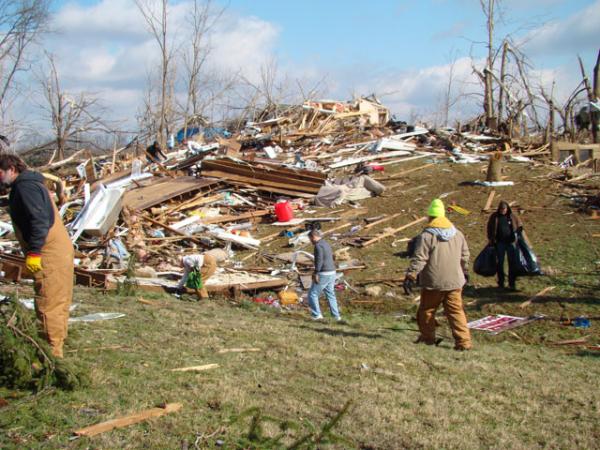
53,284
209,266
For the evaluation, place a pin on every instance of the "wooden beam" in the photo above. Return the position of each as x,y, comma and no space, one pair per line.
488,203
230,218
377,222
128,420
393,232
537,296
196,368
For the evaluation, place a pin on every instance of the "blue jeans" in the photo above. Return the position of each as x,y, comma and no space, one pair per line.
327,284
506,249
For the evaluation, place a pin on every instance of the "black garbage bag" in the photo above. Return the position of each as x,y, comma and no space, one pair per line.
486,263
526,263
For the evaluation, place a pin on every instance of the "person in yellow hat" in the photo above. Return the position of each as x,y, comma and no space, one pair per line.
440,261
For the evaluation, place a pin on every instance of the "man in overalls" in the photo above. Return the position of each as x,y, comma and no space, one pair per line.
46,245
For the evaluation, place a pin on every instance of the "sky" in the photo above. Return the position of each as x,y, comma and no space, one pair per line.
402,51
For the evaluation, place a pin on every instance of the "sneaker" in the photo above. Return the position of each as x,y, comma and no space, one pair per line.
319,317
340,320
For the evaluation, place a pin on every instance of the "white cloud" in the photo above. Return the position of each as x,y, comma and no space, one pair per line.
105,48
577,33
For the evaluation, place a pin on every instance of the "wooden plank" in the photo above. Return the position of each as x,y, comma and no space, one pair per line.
128,420
380,221
271,189
382,155
230,218
264,173
537,296
393,232
156,193
488,203
196,368
238,350
259,182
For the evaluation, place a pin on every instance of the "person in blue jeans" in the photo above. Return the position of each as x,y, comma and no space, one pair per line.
323,278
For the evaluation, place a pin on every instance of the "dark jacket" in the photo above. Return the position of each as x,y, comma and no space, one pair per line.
323,257
492,226
31,209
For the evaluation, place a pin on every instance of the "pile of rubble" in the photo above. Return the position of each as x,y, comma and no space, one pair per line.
217,187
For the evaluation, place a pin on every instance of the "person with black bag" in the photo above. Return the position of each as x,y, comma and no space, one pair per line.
502,229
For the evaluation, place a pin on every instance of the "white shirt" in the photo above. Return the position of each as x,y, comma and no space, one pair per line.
190,263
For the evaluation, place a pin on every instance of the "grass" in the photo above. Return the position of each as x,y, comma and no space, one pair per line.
503,394
512,391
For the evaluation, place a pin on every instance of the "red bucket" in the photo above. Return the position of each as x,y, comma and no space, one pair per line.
284,211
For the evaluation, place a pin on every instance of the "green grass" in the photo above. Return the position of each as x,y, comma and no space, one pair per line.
505,393
512,391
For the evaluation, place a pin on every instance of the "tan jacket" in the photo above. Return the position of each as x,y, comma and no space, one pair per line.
440,263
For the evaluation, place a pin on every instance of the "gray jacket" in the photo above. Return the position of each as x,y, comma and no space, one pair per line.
323,257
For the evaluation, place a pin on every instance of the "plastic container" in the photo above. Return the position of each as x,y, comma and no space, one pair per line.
284,211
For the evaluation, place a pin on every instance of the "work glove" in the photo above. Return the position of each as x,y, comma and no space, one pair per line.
467,278
33,262
409,284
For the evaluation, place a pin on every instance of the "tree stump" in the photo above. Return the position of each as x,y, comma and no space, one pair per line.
494,171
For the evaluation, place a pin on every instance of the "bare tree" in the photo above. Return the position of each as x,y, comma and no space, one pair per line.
155,14
20,23
70,115
487,7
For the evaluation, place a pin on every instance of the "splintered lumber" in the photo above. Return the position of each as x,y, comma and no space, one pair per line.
580,341
537,296
159,192
196,368
172,230
265,176
128,420
488,203
230,218
393,232
382,155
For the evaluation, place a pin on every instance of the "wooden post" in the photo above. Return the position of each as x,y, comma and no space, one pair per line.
596,95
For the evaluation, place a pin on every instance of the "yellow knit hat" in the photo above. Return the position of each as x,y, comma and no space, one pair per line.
436,209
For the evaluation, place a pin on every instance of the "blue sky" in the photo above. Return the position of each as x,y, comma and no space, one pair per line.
397,34
403,51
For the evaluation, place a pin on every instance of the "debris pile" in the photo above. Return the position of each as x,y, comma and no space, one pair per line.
217,188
